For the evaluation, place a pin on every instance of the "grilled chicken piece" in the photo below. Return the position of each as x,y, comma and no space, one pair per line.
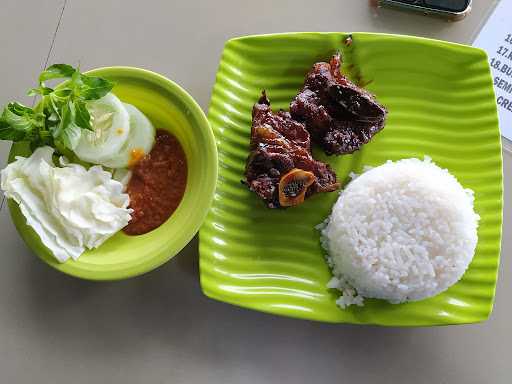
280,168
339,115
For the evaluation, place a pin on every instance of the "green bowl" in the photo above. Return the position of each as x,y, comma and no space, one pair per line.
169,107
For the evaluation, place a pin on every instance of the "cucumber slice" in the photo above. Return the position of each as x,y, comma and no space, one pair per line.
139,142
111,128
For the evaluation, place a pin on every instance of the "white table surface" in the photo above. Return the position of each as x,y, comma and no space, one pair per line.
159,328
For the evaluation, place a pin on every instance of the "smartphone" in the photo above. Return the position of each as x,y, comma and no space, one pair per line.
452,9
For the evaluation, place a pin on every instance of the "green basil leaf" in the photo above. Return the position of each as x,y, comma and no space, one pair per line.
40,91
19,108
8,133
63,93
19,117
82,116
58,100
54,105
65,121
57,71
94,88
76,79
68,132
71,136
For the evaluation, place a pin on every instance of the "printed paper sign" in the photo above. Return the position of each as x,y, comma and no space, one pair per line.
496,38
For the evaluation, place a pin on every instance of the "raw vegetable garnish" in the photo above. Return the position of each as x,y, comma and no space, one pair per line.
60,115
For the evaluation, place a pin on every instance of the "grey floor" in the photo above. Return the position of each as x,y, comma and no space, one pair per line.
159,328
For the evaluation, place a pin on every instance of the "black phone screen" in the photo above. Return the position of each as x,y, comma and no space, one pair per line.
448,5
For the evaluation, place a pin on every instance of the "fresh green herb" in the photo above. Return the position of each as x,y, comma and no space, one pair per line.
94,87
57,71
61,114
82,116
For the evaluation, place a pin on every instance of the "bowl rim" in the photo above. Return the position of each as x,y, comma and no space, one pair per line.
127,270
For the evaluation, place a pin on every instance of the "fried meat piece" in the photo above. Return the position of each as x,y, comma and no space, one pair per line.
339,115
280,168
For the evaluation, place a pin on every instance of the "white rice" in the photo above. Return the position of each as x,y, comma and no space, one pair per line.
403,231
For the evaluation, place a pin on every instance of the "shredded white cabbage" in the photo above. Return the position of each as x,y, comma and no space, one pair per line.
71,208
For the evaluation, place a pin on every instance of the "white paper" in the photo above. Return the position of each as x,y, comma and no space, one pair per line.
496,39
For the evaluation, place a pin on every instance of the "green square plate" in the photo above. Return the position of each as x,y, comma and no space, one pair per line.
441,103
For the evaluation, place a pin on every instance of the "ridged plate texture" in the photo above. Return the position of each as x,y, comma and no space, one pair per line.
441,104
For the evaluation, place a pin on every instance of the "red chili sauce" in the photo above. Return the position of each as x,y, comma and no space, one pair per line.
157,184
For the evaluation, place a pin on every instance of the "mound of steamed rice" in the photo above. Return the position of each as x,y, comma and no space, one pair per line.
403,231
